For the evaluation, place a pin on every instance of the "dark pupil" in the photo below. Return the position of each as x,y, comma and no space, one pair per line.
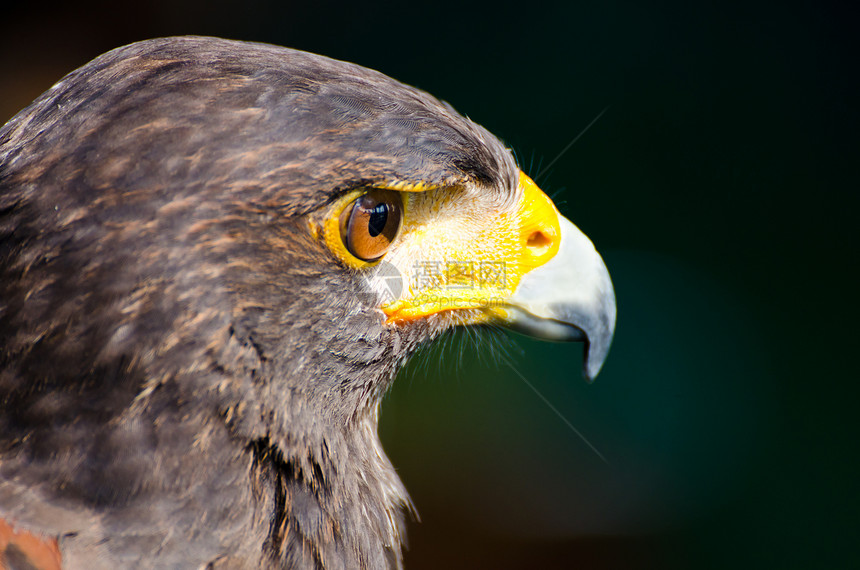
378,217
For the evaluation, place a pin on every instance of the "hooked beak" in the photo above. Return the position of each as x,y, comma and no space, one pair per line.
569,298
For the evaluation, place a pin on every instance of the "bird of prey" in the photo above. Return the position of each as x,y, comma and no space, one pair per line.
214,256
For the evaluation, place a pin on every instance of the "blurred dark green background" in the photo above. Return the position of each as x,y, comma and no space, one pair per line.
721,185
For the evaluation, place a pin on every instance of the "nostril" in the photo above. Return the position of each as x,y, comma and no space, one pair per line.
538,241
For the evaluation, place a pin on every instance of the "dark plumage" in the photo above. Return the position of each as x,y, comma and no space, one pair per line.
188,378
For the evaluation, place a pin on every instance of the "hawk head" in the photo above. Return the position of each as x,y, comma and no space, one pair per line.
214,256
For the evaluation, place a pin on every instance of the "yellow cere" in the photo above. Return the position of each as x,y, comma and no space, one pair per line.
456,252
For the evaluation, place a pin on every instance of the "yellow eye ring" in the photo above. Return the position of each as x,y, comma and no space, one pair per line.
370,224
363,224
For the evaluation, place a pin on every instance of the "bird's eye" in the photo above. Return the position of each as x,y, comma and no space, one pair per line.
370,224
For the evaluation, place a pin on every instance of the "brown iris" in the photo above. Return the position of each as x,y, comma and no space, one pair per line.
370,224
